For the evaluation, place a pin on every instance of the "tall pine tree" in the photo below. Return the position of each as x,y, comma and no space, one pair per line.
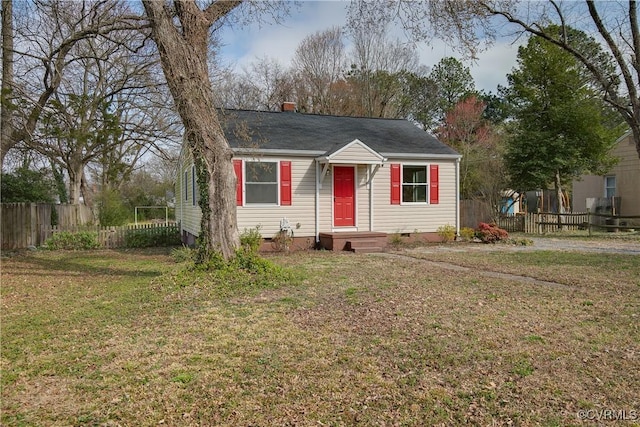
560,129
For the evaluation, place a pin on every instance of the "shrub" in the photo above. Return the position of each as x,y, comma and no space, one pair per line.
72,241
395,240
490,233
251,239
152,237
467,233
282,240
447,233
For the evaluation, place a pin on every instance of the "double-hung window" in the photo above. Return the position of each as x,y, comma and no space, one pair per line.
186,186
194,186
261,183
414,184
609,186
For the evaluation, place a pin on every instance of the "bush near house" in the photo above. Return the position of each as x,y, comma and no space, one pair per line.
490,233
447,232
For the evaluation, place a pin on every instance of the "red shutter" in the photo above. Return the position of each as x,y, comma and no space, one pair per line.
434,185
285,183
395,184
237,167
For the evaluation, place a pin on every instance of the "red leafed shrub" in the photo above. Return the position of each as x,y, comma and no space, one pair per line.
490,233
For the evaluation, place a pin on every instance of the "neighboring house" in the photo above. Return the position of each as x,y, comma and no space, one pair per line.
510,202
619,189
325,175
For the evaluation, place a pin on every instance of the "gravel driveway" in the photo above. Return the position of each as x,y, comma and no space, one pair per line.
594,244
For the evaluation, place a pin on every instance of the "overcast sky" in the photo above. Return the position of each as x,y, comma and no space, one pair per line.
243,45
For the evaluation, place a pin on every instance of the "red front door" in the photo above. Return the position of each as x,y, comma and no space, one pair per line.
344,207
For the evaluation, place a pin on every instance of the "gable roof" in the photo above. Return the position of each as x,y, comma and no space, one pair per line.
354,150
265,131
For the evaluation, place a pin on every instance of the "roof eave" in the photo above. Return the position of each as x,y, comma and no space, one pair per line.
422,156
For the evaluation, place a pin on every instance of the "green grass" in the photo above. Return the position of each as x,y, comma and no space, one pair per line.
132,338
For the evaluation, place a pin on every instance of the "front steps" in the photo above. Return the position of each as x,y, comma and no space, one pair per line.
354,241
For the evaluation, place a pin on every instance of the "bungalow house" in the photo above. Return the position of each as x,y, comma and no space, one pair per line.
331,180
618,189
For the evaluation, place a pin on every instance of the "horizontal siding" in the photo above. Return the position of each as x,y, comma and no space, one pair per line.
301,211
390,218
386,217
186,213
326,204
355,153
627,173
588,186
362,201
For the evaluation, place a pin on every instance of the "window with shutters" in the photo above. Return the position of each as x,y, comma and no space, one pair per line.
261,183
414,184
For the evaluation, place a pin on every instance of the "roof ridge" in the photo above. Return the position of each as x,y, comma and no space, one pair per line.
247,110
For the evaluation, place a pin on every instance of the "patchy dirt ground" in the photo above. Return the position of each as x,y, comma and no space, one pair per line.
130,338
597,245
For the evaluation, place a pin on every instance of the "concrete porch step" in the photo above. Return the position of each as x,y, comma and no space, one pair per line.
364,246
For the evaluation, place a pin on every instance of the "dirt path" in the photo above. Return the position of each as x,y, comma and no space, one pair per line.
486,273
476,270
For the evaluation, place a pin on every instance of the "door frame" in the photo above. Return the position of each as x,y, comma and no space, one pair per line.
353,227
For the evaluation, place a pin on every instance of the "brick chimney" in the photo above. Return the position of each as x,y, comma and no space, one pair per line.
288,107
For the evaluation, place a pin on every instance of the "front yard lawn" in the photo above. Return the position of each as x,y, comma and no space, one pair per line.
131,338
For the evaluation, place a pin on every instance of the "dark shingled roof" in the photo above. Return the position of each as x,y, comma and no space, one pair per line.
296,131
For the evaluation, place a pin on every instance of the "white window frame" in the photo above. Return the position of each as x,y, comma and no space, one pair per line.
607,186
186,185
426,184
245,182
194,185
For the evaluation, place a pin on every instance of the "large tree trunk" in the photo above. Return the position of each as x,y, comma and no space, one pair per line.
6,139
75,184
183,54
559,199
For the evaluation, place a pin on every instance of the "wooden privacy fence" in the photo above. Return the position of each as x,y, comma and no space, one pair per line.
473,212
549,222
22,223
30,224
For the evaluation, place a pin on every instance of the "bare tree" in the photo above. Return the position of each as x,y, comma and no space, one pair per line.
319,62
379,71
466,23
264,85
49,31
107,108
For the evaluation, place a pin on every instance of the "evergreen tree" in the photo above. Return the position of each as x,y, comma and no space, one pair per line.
560,129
